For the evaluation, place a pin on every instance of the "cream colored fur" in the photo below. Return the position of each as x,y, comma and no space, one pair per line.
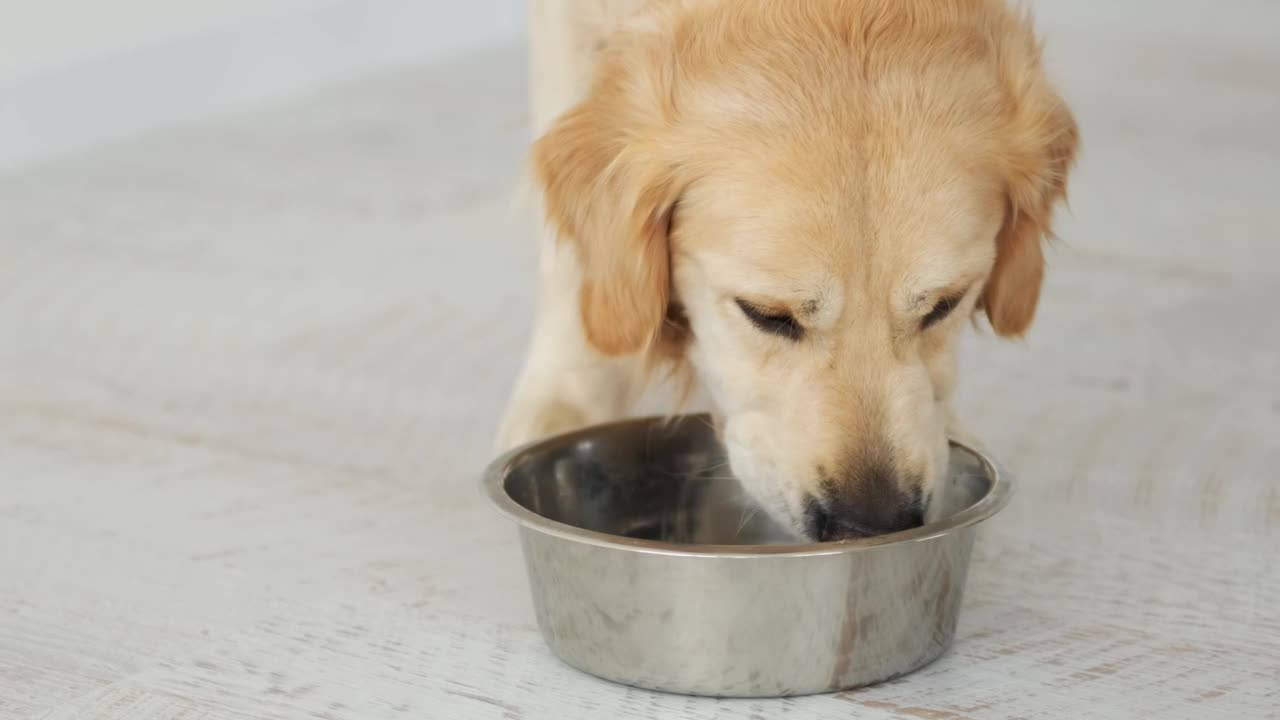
855,166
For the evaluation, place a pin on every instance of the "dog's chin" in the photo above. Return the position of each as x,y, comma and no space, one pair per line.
768,492
788,521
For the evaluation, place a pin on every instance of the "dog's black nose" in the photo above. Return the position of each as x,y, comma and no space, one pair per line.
869,497
847,520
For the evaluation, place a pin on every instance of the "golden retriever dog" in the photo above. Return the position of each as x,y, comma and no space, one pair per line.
801,201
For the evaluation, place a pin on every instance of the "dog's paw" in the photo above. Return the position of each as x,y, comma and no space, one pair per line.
528,422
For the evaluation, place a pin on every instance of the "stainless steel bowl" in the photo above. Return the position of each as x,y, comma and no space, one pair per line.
650,567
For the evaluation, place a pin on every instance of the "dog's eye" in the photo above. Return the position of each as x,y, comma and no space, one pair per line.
940,311
780,324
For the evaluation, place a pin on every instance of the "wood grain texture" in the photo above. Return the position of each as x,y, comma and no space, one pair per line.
249,374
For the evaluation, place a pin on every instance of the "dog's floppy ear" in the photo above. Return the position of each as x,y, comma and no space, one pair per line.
608,191
1042,143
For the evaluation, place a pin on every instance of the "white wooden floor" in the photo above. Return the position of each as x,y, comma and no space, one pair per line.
249,375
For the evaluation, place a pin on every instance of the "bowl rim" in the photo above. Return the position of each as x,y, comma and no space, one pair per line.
494,484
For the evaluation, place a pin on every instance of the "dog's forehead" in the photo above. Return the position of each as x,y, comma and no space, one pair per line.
823,248
850,222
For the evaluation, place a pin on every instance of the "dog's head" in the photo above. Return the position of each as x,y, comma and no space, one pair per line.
807,201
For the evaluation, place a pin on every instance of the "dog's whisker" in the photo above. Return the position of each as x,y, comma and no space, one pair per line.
717,466
748,513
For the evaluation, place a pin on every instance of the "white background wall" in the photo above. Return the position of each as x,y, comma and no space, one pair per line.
74,73
39,35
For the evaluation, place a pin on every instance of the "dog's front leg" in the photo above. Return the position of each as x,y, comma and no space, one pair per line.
565,383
